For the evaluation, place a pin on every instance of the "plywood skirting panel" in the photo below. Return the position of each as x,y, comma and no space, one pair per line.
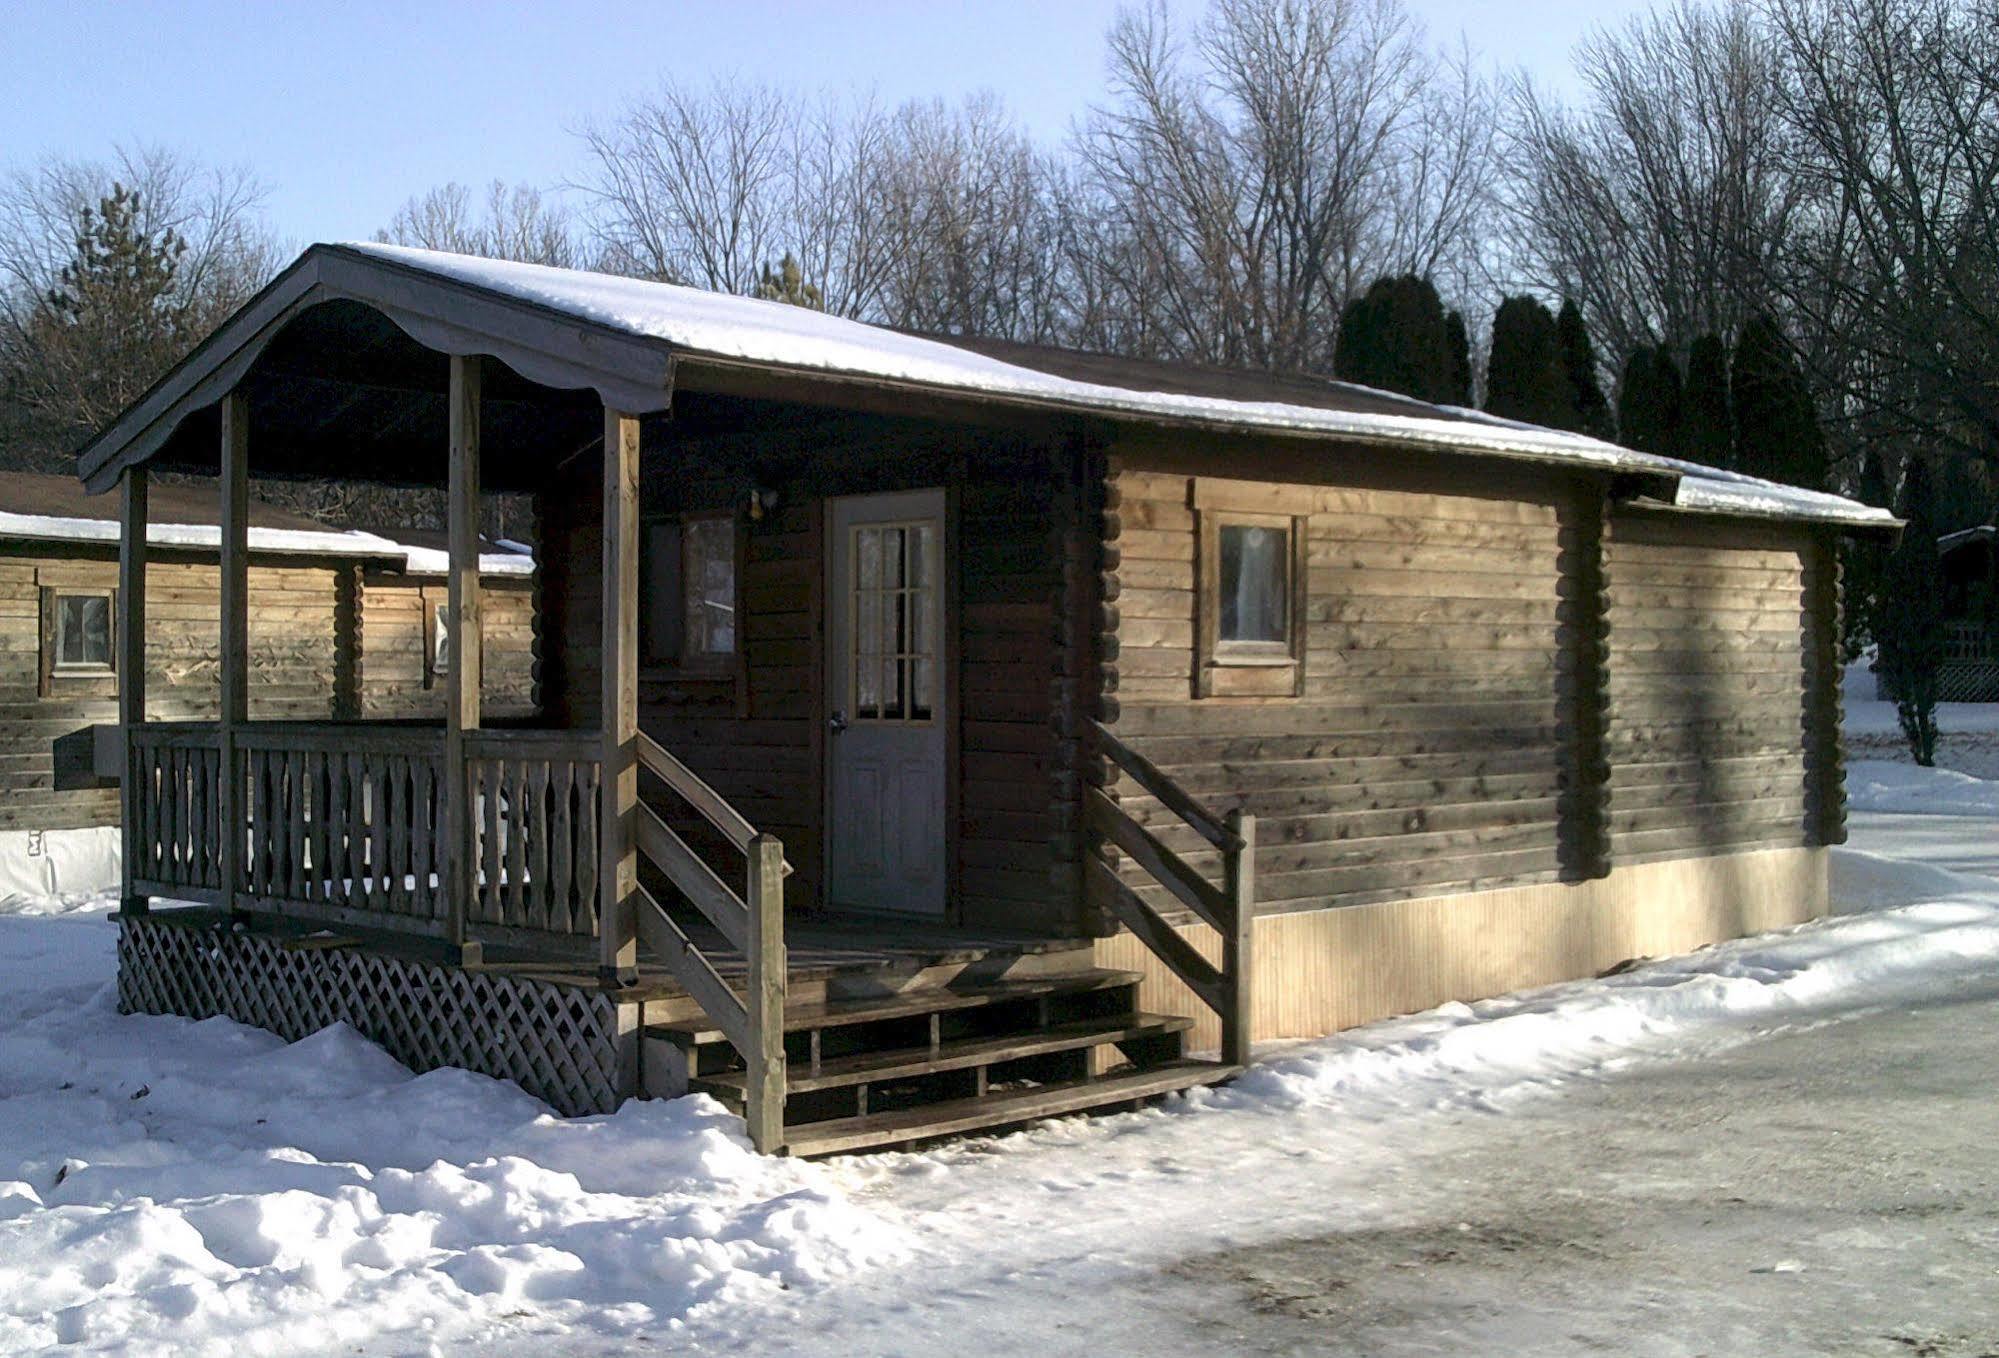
564,1044
1318,971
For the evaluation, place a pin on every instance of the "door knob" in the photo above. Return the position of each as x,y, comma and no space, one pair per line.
838,722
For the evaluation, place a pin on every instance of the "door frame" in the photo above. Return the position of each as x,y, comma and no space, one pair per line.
950,667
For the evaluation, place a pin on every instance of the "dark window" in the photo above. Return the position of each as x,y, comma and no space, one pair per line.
688,584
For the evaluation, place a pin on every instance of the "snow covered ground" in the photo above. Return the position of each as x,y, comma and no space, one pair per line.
169,1186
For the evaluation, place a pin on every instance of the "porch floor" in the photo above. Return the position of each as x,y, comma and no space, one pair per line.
819,948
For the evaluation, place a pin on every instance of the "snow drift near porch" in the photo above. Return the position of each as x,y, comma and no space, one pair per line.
201,1187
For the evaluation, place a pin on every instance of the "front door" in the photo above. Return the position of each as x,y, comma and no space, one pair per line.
886,701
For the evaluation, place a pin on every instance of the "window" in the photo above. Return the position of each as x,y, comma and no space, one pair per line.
688,582
1251,641
83,632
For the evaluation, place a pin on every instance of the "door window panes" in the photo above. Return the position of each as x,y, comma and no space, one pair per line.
895,622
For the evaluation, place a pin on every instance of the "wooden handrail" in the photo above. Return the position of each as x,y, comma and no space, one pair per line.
697,881
1170,794
713,807
1230,909
753,923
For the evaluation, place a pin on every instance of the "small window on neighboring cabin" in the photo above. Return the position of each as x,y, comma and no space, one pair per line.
1251,639
689,615
83,632
76,635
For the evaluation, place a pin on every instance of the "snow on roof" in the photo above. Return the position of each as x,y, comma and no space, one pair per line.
781,335
1952,541
95,519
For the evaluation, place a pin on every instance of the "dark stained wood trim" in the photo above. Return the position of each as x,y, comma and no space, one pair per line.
1825,752
1583,619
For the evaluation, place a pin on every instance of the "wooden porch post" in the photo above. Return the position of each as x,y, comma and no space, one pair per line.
617,873
235,639
465,634
131,667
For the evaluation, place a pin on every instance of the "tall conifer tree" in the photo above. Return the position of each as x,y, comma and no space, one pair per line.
1707,434
1394,337
1776,429
1648,402
1592,410
1524,377
1457,341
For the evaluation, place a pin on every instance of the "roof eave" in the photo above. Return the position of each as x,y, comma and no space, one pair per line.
545,346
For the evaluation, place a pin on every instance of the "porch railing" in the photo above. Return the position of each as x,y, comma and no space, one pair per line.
1230,909
344,822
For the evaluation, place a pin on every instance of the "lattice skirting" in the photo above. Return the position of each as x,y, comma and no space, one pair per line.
559,1043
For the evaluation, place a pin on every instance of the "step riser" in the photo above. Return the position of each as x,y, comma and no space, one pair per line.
884,983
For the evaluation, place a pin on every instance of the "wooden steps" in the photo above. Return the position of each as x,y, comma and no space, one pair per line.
873,1009
938,1060
868,1067
879,1130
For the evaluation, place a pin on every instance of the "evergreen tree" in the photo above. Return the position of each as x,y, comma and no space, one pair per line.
113,321
1707,434
787,284
1457,341
1910,620
1648,402
1776,430
1524,376
1395,337
1592,410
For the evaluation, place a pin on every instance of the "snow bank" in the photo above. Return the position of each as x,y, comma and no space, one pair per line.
50,871
203,1187
1890,785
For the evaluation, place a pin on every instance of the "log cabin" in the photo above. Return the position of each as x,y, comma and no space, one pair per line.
314,593
932,734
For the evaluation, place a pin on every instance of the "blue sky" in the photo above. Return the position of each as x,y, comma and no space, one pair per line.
347,109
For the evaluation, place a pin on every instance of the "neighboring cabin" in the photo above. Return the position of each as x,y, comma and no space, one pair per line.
341,624
1971,615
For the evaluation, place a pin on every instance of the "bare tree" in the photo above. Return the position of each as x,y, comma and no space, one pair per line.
70,362
692,185
517,223
1253,172
1896,104
1661,202
976,213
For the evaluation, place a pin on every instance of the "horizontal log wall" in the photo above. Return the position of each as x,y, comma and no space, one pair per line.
292,667
1428,748
395,647
1708,680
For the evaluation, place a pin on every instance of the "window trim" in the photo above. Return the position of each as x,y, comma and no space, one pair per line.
1246,669
676,664
53,670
